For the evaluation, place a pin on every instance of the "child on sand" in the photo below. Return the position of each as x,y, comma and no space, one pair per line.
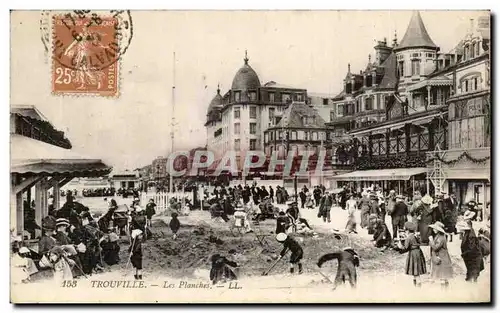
415,262
174,225
297,253
136,252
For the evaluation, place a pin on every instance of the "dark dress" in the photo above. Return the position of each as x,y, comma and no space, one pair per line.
174,225
415,261
364,204
382,236
472,256
136,257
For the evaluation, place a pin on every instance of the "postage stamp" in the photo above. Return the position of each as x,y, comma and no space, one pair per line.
86,49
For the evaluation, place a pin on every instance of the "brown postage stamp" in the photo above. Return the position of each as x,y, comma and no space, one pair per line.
86,49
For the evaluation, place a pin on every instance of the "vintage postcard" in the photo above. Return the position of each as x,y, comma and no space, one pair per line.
250,156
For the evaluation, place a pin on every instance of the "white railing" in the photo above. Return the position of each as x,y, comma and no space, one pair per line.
162,199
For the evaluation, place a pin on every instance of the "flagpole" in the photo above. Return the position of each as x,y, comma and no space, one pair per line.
171,180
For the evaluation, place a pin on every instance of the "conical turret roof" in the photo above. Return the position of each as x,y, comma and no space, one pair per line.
416,35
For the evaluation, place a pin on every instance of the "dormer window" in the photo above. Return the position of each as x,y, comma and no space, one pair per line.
237,96
253,96
348,88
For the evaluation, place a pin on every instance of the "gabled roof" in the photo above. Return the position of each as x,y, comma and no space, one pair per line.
416,35
292,117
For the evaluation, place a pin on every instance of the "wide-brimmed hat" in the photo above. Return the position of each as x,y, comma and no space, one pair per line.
438,226
62,222
463,225
472,203
410,226
135,233
468,215
427,199
24,250
281,237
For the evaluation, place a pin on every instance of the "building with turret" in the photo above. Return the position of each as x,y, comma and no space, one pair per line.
410,108
237,119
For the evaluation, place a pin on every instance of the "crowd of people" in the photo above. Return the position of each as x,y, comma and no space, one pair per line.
74,244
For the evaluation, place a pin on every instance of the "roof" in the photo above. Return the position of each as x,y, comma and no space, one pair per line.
274,84
216,101
34,156
321,95
416,35
390,78
28,111
124,173
246,78
385,174
292,117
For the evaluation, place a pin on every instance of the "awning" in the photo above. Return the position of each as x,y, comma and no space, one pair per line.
434,81
385,174
397,124
469,174
34,156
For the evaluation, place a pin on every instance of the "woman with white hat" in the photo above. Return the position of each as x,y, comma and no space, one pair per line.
441,267
425,218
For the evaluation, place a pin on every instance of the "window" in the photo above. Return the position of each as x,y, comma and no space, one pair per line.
299,97
475,83
253,112
369,104
415,67
473,50
253,144
253,96
285,97
477,49
236,113
236,144
348,88
272,111
253,128
314,136
415,55
294,135
332,115
429,55
237,96
271,97
466,85
236,128
340,110
301,135
401,66
325,101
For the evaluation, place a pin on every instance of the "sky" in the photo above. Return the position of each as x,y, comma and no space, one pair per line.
307,49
